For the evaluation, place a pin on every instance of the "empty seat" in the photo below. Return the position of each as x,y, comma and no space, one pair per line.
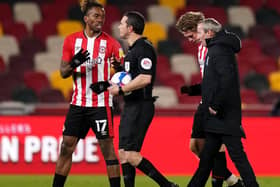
47,62
269,97
43,29
249,96
16,29
6,12
218,13
169,47
174,34
174,5
161,14
184,64
20,64
274,81
155,32
257,82
30,46
267,16
67,27
185,99
28,13
25,95
75,13
36,81
8,47
2,65
64,85
242,16
167,96
253,4
50,95
54,44
52,11
273,5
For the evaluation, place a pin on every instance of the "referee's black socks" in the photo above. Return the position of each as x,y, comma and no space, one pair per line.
220,171
147,167
59,180
129,173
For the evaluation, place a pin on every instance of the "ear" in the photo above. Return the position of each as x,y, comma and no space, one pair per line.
85,19
130,28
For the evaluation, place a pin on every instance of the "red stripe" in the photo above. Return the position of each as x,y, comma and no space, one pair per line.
74,97
205,53
200,52
110,121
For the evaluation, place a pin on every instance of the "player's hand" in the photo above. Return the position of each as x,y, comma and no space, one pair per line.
185,90
212,111
79,58
99,87
116,63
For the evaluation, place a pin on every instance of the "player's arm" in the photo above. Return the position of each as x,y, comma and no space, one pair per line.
67,68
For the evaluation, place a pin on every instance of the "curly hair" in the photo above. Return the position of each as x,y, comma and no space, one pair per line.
88,4
189,21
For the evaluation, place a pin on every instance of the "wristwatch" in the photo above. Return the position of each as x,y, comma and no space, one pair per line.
120,91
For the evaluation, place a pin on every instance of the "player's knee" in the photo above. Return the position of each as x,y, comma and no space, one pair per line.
122,156
66,150
134,158
194,148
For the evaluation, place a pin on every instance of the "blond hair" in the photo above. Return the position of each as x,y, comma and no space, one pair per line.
189,21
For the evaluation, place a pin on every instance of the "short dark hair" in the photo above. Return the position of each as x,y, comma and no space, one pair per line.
87,5
136,20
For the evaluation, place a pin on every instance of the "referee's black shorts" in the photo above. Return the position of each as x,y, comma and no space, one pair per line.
135,121
80,119
197,128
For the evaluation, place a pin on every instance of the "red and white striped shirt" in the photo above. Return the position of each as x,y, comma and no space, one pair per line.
202,52
101,48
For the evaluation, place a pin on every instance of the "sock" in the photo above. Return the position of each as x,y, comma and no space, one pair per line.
129,173
216,182
147,167
115,182
219,170
59,180
232,180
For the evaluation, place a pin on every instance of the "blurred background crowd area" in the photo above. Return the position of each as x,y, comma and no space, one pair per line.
32,33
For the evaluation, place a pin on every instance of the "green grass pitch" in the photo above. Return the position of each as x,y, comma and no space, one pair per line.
101,181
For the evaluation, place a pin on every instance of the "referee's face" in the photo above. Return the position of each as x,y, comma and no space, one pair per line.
123,27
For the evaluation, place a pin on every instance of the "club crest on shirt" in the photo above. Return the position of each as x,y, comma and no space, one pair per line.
146,63
102,49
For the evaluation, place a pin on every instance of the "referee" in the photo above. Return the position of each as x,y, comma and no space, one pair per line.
138,112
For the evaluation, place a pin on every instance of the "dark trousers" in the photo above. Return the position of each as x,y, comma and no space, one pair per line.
234,146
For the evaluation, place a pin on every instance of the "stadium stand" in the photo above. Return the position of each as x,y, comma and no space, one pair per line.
34,30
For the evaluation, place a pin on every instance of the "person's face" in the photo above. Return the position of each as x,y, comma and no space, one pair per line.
95,19
124,28
191,36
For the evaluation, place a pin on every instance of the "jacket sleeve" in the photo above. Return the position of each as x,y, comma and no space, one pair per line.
225,74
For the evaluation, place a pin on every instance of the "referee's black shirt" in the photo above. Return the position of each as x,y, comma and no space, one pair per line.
141,59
